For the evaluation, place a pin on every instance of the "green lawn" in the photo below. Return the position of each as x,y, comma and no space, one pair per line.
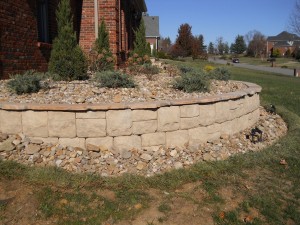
266,192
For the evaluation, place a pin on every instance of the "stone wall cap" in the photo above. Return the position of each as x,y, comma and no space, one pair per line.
250,90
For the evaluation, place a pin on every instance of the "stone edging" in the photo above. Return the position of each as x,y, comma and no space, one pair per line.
146,125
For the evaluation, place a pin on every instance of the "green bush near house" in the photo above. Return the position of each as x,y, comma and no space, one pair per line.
113,79
67,59
103,59
29,82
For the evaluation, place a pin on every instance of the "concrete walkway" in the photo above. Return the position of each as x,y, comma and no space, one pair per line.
278,70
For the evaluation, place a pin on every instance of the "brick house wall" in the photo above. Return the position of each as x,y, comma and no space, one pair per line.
19,36
21,49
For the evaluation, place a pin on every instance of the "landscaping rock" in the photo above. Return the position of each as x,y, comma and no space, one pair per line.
7,146
32,148
146,161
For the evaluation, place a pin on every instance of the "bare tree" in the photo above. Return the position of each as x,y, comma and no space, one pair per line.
257,46
249,36
294,22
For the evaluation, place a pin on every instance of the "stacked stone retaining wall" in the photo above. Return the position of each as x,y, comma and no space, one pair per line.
147,125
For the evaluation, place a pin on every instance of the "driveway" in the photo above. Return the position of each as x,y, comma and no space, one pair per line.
278,70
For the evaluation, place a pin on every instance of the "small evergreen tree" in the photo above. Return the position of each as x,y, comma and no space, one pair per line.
104,58
140,44
239,46
211,48
67,59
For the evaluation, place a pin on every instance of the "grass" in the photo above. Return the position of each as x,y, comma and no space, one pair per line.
264,186
288,62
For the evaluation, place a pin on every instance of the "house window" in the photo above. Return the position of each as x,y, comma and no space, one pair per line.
43,21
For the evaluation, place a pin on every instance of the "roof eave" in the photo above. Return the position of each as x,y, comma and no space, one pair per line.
140,5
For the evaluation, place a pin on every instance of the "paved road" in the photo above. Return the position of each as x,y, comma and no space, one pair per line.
288,72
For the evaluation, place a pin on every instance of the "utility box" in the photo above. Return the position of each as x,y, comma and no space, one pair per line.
296,72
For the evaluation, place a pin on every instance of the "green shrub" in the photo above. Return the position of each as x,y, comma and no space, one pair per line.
185,69
67,59
195,81
220,73
276,53
113,79
141,47
102,59
136,59
29,82
149,70
163,55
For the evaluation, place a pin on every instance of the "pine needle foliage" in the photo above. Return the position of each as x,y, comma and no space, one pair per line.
104,57
140,43
67,59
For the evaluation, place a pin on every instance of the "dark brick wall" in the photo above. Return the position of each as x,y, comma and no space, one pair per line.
20,49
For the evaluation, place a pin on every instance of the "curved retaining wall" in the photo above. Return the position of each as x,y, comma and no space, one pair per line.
145,125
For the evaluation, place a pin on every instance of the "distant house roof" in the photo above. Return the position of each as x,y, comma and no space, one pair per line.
284,36
152,25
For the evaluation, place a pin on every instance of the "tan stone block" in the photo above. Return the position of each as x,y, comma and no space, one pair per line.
222,112
204,134
213,131
251,103
52,141
169,118
177,138
154,139
207,114
91,115
236,108
188,123
188,111
11,122
61,124
72,142
142,115
35,124
242,123
91,127
127,143
228,127
144,127
253,117
106,142
197,135
119,122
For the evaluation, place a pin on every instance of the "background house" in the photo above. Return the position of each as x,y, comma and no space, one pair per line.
283,42
28,27
152,30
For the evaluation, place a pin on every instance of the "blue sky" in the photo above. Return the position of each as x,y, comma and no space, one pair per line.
221,18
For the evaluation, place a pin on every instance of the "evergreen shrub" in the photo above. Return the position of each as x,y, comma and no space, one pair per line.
220,73
103,59
67,59
193,81
29,82
113,79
